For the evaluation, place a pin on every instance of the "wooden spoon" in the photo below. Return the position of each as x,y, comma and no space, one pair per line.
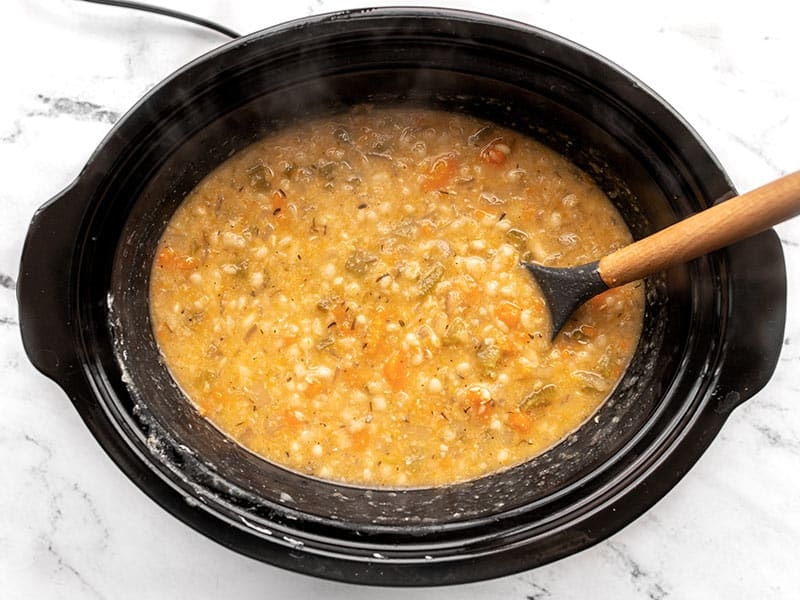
566,289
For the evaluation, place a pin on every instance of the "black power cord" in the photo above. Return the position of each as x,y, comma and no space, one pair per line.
169,13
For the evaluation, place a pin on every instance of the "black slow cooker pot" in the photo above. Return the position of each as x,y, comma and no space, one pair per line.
713,328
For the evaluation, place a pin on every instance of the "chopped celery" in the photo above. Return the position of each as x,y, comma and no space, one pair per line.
430,279
538,398
360,262
260,178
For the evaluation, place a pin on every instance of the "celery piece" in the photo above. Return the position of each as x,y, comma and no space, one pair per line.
260,178
430,279
360,262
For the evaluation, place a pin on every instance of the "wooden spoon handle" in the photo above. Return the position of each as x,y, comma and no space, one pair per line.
706,231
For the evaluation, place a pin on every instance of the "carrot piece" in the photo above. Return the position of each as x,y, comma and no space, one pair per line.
314,388
395,370
513,343
283,342
427,228
495,152
480,401
290,420
471,292
167,258
440,174
359,440
520,422
509,313
280,208
493,156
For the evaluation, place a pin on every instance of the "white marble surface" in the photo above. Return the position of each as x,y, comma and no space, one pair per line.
72,526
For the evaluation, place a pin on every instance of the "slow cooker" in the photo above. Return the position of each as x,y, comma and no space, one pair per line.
713,328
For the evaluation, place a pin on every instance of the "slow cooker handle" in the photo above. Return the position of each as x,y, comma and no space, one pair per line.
755,321
44,293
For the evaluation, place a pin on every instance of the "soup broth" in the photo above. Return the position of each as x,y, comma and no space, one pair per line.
344,298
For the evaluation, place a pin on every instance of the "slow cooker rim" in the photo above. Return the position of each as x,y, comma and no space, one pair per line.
461,525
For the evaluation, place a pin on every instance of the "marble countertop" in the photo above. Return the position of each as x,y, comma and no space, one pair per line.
73,526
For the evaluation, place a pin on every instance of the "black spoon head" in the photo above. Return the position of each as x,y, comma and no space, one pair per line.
566,289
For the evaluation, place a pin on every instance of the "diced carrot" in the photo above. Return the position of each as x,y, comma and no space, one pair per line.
359,440
471,292
509,313
314,388
513,343
290,420
479,401
285,341
446,463
440,174
482,214
427,228
280,208
495,152
395,370
167,258
520,422
493,156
